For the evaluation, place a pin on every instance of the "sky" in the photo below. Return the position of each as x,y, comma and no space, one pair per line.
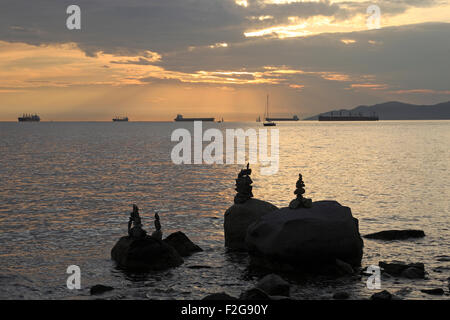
154,59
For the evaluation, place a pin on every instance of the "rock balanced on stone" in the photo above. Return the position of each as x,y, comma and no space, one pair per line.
135,225
300,202
243,186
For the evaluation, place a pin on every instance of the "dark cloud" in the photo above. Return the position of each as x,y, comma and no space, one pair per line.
134,26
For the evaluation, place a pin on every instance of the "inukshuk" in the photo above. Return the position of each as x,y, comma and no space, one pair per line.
157,233
243,186
135,225
300,202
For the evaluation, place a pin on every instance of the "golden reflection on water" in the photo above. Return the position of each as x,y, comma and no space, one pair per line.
67,189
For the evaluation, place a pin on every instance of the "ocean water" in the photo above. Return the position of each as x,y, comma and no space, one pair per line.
66,190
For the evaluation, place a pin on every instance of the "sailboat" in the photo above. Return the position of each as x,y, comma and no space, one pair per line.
266,115
258,119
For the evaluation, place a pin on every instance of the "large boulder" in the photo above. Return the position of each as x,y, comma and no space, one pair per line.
146,253
306,239
239,216
182,244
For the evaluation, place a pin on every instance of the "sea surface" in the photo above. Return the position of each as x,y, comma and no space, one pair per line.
66,190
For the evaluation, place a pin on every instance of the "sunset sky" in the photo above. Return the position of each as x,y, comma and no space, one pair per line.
153,59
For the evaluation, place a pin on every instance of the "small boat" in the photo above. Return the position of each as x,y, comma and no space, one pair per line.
268,123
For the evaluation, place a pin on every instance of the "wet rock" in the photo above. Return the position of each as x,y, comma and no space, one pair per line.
99,289
182,244
274,285
383,295
343,268
396,234
239,216
413,273
399,269
341,296
443,258
436,292
145,254
305,238
219,296
254,294
404,291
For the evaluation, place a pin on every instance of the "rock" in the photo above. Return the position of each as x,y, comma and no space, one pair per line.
305,238
399,269
436,292
219,296
404,291
396,234
343,268
274,285
443,258
99,289
145,254
254,294
341,296
413,273
239,216
182,244
383,295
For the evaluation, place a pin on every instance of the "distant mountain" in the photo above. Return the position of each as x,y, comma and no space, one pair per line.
399,111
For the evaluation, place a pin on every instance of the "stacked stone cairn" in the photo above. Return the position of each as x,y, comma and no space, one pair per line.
243,186
300,202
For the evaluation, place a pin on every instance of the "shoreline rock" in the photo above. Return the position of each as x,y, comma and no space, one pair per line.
239,217
274,285
306,239
145,254
182,244
219,296
396,235
382,295
435,292
400,269
99,289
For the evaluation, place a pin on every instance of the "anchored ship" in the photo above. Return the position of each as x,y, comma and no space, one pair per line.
120,119
181,118
29,118
349,117
294,118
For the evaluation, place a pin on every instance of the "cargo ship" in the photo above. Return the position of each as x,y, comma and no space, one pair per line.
181,118
294,118
349,117
120,119
29,118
